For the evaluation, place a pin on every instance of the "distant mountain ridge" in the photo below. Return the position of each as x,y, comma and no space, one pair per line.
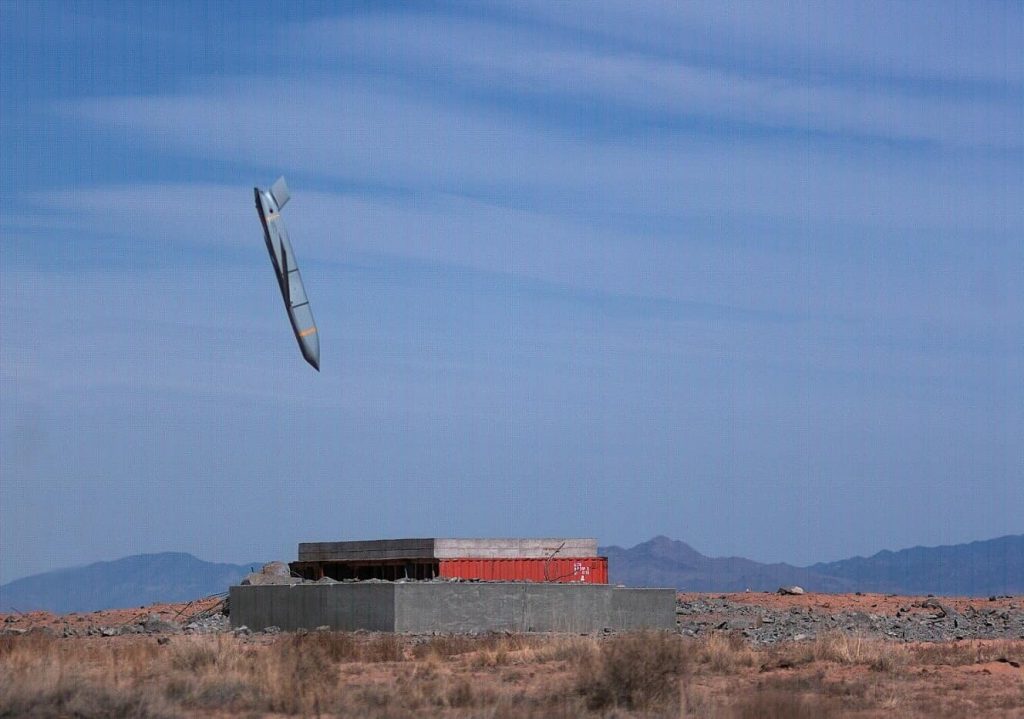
983,568
129,582
994,566
664,562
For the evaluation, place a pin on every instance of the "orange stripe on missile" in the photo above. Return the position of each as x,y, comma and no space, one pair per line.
310,331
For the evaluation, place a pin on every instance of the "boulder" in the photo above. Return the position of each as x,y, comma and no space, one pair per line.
153,624
271,573
276,569
941,609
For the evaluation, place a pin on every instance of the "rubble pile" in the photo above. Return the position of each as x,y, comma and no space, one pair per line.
915,620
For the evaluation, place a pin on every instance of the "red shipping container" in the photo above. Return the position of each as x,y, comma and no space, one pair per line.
586,570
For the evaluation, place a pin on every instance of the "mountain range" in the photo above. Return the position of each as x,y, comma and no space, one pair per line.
129,582
991,567
994,566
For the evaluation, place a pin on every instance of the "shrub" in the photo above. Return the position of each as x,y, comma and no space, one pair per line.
634,671
383,648
194,658
73,698
725,652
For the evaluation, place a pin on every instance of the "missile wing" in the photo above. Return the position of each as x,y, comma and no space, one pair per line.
296,303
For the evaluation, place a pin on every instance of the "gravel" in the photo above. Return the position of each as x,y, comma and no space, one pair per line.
928,621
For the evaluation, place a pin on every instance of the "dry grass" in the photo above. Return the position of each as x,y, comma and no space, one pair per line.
854,649
724,653
633,671
774,704
971,652
647,674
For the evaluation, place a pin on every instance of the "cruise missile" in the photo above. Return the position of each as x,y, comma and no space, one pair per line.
296,303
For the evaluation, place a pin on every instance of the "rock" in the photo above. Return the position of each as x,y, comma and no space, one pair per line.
153,624
163,640
323,628
258,579
794,590
272,573
276,569
208,624
943,610
242,631
272,630
109,631
698,617
326,580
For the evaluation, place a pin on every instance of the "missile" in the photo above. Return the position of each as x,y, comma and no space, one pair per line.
296,303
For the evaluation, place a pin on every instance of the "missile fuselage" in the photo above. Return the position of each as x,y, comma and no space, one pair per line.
268,205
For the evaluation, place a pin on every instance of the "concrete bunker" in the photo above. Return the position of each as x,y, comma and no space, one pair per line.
451,586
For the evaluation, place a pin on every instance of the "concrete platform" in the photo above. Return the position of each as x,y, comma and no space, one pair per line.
453,607
432,548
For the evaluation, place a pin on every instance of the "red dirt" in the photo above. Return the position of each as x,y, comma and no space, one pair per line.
177,612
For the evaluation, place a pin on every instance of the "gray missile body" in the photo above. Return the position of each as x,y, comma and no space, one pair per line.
268,205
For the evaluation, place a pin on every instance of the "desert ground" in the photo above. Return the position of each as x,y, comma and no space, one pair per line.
733,655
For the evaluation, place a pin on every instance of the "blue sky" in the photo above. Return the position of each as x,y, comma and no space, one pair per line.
747,275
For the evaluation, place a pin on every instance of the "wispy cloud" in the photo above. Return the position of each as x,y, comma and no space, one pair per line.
368,139
687,264
537,68
944,42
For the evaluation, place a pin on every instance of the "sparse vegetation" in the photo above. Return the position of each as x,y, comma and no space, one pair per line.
633,671
648,674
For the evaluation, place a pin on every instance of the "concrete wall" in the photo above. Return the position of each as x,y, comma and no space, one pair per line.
453,607
514,548
519,607
308,606
392,549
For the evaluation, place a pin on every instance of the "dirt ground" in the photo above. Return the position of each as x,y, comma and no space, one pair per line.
84,621
59,666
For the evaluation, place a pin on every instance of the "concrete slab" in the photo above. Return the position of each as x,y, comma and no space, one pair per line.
514,548
380,550
453,607
399,549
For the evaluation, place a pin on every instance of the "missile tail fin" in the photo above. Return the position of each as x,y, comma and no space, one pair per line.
280,193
